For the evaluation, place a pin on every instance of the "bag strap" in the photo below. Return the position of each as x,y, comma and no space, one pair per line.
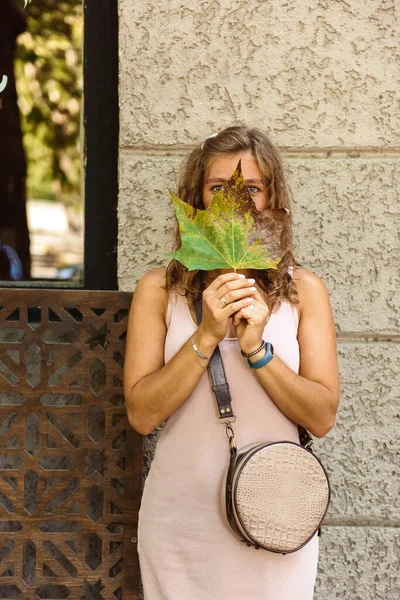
221,388
218,377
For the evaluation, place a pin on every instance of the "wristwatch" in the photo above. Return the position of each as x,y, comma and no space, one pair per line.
268,356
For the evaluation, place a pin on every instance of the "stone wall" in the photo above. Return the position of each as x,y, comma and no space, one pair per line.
322,77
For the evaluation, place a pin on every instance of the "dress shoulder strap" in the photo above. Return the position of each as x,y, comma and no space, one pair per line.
172,300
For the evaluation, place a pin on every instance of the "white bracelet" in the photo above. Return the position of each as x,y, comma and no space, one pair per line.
198,352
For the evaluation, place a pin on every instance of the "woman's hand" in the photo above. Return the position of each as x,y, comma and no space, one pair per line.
228,294
250,322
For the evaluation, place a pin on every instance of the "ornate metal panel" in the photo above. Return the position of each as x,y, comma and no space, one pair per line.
70,466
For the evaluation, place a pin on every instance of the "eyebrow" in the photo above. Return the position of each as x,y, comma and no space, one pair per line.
223,180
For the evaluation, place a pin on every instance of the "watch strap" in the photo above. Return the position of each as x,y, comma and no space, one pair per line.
264,360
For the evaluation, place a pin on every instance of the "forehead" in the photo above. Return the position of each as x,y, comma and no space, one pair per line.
221,166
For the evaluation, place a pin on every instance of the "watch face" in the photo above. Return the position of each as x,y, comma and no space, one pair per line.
269,349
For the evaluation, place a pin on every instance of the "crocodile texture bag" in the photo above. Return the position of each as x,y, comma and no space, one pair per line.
275,495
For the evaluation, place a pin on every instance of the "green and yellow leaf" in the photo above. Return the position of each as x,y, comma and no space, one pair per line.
230,233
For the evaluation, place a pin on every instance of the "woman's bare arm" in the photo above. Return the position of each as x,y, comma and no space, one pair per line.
310,398
154,391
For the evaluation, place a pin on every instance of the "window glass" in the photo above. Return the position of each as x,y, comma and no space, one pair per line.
41,191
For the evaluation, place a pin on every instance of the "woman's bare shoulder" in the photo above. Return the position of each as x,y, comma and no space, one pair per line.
153,280
151,291
310,288
305,277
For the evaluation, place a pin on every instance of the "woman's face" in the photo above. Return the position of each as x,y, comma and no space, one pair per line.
220,170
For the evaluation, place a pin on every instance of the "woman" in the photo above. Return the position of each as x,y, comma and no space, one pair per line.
186,550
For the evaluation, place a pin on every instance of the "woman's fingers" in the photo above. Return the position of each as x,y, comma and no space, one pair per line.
229,292
259,303
235,295
223,279
237,317
216,314
226,283
227,288
234,307
222,313
255,312
257,296
231,295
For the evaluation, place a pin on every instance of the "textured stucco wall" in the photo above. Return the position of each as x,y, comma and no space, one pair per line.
323,77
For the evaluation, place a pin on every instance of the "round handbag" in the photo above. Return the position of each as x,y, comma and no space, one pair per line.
275,495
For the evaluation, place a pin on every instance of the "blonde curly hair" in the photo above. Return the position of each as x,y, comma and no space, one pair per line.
275,283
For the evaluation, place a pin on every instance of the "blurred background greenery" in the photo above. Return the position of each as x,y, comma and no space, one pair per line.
49,82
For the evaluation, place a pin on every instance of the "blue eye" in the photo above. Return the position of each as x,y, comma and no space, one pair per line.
252,189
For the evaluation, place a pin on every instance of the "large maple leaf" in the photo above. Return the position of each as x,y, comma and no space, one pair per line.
230,233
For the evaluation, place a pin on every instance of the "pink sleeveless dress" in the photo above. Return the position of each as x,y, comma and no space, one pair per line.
186,550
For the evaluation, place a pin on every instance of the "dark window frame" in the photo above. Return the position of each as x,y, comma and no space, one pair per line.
100,149
101,124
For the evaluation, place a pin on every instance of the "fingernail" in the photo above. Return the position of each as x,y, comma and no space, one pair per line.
252,280
241,276
252,289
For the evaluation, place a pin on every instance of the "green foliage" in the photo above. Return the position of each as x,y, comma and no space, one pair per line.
49,81
230,233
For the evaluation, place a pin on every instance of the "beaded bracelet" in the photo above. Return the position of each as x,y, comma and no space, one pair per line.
255,351
198,352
